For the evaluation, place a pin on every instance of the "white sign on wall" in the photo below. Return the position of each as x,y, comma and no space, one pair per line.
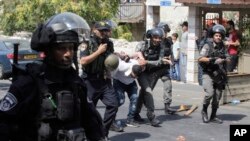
214,1
165,3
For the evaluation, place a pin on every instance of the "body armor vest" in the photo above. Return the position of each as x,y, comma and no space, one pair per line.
216,71
97,66
152,53
60,109
214,51
60,106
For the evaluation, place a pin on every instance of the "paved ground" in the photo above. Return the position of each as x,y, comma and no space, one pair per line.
191,127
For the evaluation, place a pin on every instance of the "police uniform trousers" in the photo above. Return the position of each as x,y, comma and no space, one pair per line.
145,93
212,92
167,88
100,88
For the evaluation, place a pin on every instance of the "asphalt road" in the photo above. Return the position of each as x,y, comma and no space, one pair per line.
191,127
172,126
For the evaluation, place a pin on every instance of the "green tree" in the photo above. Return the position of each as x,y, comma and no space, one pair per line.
245,34
24,15
123,32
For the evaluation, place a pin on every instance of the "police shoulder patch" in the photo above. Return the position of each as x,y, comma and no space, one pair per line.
8,102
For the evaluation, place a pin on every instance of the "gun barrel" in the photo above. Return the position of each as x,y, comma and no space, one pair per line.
15,59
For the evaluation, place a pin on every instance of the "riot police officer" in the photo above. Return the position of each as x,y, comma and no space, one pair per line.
167,83
48,100
213,57
96,75
153,53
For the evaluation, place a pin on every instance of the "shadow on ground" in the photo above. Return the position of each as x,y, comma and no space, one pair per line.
231,117
163,118
130,136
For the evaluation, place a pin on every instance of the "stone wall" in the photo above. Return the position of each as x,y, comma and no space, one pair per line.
239,88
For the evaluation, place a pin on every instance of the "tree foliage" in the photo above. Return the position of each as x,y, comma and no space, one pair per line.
245,34
24,15
123,32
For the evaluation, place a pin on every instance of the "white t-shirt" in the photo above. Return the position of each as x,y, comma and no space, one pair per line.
176,46
184,42
123,67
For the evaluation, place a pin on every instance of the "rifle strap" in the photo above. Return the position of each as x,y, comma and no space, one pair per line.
36,71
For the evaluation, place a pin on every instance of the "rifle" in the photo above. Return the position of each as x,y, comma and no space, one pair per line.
226,83
15,62
220,54
219,71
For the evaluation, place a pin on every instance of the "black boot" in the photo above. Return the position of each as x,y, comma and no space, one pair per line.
137,118
153,121
116,127
169,110
214,118
204,114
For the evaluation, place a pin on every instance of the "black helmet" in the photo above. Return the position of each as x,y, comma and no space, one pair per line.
218,28
148,33
157,32
164,26
60,28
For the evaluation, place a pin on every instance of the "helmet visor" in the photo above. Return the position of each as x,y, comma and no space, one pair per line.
70,22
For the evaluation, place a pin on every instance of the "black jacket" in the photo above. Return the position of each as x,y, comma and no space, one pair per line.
20,114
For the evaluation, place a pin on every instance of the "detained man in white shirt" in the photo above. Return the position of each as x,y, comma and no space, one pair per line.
124,81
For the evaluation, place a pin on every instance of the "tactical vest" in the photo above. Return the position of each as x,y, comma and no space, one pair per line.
59,105
213,52
216,71
151,53
97,66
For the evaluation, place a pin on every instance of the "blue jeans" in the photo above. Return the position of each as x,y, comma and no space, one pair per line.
131,90
175,71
